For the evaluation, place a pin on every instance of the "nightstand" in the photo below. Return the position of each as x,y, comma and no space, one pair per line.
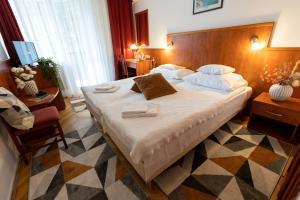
54,98
287,112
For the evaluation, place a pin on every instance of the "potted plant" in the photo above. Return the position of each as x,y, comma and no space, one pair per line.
50,69
24,78
283,79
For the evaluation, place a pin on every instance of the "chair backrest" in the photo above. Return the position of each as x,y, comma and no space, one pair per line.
124,66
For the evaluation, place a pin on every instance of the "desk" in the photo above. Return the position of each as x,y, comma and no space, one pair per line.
55,98
142,67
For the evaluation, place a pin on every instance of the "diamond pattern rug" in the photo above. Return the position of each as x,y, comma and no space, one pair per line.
233,163
87,170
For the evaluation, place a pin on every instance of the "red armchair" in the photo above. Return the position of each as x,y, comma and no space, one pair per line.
46,126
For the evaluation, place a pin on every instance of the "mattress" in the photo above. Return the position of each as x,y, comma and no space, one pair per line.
196,108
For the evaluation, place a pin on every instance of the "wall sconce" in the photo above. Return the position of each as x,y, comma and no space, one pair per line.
170,45
257,45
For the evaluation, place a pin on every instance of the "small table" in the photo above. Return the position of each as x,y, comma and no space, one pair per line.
54,98
284,111
142,66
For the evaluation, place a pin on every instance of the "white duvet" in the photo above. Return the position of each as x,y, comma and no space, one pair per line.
178,112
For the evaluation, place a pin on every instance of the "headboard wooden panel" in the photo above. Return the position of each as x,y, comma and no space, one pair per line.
229,46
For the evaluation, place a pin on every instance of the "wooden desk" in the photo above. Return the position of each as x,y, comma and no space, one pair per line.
287,112
142,67
55,98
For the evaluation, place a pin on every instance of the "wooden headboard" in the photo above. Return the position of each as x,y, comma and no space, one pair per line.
229,46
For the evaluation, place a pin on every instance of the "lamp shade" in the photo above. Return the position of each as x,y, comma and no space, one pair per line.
133,47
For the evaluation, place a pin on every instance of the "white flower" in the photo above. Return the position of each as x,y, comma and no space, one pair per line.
296,83
17,80
14,69
33,72
19,70
25,76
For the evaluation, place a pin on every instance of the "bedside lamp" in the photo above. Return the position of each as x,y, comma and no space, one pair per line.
257,45
133,47
138,55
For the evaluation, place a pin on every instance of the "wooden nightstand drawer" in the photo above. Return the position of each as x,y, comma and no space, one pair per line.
276,113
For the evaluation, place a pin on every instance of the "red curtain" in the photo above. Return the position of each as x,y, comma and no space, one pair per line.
9,29
122,30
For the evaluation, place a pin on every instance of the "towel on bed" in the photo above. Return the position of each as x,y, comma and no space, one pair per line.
109,89
104,86
140,110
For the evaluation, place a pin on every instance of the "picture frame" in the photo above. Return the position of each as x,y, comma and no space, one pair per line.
201,6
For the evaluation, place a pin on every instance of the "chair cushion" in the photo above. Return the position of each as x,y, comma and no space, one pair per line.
45,115
15,112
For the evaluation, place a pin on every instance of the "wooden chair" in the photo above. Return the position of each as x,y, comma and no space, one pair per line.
127,72
46,126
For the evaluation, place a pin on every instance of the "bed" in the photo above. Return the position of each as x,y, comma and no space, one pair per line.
185,119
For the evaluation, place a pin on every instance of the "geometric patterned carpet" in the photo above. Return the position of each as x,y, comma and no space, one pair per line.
87,170
233,163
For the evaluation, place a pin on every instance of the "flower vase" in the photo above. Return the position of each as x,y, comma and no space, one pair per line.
31,88
280,92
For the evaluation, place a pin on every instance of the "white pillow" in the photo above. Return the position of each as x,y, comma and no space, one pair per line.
170,67
216,69
172,74
225,82
15,112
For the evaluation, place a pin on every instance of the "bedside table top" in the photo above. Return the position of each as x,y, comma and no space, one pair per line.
290,104
52,93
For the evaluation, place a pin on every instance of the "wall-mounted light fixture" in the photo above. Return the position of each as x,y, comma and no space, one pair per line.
257,45
170,45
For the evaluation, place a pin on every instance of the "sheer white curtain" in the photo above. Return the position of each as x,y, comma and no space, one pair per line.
75,33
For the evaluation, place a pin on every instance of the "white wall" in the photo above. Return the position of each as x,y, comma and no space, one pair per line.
170,16
8,165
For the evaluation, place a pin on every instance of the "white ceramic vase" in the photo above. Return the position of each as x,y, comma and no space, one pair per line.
280,92
31,88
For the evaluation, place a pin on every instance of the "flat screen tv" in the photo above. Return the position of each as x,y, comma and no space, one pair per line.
26,52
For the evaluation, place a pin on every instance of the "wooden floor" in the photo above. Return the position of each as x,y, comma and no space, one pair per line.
73,121
69,121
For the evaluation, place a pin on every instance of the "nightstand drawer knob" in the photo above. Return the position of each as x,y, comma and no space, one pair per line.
275,114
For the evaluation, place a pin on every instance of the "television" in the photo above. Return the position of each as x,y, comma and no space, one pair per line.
26,52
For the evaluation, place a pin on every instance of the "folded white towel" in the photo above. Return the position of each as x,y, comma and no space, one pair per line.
104,86
135,108
112,90
152,111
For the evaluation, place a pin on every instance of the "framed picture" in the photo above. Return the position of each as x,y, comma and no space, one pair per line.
201,6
